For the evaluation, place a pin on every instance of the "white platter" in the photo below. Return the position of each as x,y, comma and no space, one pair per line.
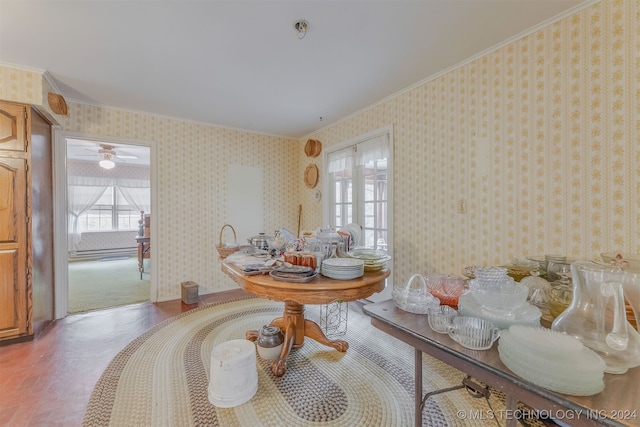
529,314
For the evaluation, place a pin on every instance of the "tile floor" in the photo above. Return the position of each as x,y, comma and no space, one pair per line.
48,381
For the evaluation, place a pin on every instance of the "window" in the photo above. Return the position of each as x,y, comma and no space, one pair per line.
110,212
359,188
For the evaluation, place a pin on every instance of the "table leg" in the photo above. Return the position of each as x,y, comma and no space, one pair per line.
418,387
295,328
141,258
313,331
511,404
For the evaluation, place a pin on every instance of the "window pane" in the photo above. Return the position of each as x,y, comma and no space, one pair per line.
338,189
128,219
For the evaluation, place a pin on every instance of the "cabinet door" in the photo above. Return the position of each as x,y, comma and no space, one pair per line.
14,287
12,127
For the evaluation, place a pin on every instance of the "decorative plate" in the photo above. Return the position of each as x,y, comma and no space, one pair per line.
311,175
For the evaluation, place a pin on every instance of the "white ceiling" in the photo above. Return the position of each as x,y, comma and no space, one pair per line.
239,64
87,151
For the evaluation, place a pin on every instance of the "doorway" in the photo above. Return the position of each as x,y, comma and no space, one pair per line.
103,195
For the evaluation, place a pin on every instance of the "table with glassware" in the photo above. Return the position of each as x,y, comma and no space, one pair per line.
318,290
617,405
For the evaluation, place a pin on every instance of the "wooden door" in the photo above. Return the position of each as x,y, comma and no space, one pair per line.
14,310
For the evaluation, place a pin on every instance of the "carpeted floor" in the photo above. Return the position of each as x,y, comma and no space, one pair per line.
105,283
161,378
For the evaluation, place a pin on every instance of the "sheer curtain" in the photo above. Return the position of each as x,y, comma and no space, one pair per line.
373,149
137,192
81,198
360,154
138,198
358,185
340,160
85,191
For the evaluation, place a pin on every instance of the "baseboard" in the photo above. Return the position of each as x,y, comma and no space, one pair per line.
101,253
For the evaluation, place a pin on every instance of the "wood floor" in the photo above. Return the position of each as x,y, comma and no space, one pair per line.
47,382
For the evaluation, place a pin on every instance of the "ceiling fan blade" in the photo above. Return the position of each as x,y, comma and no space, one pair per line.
125,157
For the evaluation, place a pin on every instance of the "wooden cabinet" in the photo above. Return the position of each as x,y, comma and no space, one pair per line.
26,223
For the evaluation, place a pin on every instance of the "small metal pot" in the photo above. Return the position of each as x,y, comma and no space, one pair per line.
260,241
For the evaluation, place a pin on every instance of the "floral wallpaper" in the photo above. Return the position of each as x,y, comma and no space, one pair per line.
192,162
540,138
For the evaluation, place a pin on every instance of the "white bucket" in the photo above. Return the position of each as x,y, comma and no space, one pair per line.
233,379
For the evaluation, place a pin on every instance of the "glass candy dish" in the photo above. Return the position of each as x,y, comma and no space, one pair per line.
446,288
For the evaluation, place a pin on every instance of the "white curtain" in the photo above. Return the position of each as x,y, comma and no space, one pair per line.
137,197
85,191
340,160
81,198
376,148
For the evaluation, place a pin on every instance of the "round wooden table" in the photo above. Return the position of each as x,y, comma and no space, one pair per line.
322,290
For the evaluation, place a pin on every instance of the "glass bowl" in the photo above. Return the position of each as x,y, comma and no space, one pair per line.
490,274
441,318
559,299
473,333
506,295
446,288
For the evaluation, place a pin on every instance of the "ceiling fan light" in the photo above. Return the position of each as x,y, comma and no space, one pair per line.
106,164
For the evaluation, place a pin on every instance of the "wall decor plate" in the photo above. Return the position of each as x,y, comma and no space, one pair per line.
313,148
311,175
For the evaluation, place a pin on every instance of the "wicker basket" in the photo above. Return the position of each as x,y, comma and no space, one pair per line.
222,249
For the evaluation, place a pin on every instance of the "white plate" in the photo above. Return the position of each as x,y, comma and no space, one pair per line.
342,262
342,276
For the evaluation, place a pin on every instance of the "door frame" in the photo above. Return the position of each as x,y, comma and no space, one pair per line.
60,216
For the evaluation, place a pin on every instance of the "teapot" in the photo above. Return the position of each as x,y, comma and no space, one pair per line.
260,241
597,316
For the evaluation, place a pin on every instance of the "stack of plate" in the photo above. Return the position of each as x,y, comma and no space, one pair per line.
374,259
342,268
552,360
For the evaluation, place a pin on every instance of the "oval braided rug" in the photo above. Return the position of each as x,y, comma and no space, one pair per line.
161,378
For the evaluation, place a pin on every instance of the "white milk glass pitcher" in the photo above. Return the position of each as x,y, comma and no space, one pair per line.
597,316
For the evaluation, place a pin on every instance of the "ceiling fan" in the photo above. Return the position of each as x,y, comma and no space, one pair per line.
108,154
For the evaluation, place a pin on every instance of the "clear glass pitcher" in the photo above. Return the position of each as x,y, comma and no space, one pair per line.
597,316
631,286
